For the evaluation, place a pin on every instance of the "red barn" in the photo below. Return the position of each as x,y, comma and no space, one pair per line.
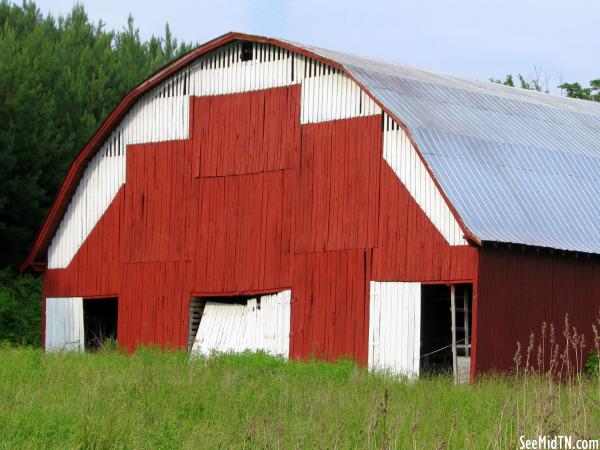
262,194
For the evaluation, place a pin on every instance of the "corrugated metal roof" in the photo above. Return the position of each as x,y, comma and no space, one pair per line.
518,166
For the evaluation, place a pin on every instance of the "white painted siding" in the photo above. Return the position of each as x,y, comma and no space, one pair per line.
402,157
223,71
64,324
332,96
235,328
395,327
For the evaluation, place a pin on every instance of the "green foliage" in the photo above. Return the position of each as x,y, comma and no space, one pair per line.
59,79
534,84
155,399
20,308
592,364
508,81
575,90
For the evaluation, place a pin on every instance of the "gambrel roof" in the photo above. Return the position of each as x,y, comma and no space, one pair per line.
515,166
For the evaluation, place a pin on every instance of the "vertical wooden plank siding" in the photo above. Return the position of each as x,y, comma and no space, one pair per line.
520,289
247,133
339,185
163,114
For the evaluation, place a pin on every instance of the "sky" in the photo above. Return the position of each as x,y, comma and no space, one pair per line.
558,39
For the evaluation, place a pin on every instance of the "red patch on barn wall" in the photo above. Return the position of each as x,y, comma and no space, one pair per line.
243,236
330,315
157,182
339,185
246,133
274,208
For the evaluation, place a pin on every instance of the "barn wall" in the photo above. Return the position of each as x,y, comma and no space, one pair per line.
263,206
521,289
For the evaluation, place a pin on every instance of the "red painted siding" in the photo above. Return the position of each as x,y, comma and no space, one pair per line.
330,309
243,236
520,289
246,133
276,206
154,218
339,184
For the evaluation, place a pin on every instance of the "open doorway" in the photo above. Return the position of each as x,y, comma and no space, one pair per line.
99,322
436,329
446,340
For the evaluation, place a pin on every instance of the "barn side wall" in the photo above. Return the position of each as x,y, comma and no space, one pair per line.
264,205
521,289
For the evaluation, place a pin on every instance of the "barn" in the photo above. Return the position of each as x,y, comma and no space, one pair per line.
263,194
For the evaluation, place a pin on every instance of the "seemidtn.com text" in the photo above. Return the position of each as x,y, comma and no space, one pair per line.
558,443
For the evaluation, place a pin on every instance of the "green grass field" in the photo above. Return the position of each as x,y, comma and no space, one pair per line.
156,399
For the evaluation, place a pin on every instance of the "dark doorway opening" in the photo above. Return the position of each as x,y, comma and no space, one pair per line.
437,329
100,322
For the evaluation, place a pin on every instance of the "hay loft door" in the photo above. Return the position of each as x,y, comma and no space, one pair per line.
237,324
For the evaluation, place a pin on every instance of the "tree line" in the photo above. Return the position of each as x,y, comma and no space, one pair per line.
60,77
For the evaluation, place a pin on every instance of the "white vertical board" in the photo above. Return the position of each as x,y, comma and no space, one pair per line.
64,324
333,95
395,327
404,160
257,325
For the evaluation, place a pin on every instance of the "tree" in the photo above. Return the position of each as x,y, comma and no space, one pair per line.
575,90
59,79
20,308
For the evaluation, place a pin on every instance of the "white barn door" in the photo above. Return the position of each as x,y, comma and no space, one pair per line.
262,323
64,324
395,327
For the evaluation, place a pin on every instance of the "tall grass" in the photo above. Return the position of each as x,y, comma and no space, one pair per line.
156,399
